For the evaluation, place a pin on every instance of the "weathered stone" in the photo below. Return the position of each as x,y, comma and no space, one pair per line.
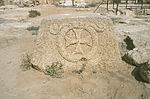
71,38
145,72
123,48
127,12
129,43
68,3
138,40
138,56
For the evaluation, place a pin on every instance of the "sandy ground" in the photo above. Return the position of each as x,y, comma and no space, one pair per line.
16,40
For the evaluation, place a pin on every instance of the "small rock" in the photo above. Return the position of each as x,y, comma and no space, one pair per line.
128,13
145,72
136,40
137,56
130,45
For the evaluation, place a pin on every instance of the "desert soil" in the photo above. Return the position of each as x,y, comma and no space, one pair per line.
16,40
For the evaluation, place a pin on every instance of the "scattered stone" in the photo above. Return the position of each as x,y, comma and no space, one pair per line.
127,12
129,43
123,48
120,20
137,56
145,72
148,12
70,38
136,40
68,3
77,3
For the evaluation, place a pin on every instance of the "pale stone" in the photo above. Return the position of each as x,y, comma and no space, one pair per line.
77,3
68,3
70,39
138,56
145,72
127,12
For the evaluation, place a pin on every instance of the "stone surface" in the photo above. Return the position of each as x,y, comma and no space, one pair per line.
101,10
80,3
145,72
138,56
71,38
139,40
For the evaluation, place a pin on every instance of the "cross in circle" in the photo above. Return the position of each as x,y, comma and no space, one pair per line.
78,38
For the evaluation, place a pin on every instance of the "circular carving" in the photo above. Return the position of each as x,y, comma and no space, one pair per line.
75,43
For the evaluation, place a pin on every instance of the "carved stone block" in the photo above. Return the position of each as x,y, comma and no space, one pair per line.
74,40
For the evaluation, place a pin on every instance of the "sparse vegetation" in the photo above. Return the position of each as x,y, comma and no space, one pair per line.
94,71
34,13
80,70
34,29
55,70
26,62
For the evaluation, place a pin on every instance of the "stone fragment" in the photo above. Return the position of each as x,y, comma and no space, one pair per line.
138,56
138,40
128,13
145,72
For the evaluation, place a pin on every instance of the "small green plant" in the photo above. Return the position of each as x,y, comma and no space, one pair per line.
34,13
55,70
94,71
26,63
34,29
80,70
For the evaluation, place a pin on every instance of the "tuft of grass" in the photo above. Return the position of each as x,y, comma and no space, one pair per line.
94,71
80,70
34,13
26,63
55,70
33,29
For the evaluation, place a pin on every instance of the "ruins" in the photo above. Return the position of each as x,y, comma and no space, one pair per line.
78,3
74,40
